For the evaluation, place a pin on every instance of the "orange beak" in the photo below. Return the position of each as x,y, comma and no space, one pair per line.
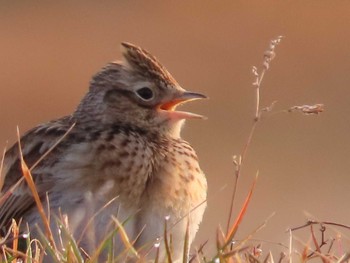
170,106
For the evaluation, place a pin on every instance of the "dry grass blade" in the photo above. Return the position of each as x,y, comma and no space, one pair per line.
220,238
29,179
344,258
241,214
314,240
17,253
253,259
47,248
2,176
124,236
261,226
72,248
29,251
91,220
186,215
106,241
290,246
238,162
305,253
15,233
229,255
9,192
269,258
186,243
199,252
156,260
166,241
37,249
4,238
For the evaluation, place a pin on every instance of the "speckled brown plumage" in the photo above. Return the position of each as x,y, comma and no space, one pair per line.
125,144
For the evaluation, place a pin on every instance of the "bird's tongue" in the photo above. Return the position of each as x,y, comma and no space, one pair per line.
170,106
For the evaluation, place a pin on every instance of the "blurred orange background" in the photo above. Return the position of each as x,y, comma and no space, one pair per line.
49,51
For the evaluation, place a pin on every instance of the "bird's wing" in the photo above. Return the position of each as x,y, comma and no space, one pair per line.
38,144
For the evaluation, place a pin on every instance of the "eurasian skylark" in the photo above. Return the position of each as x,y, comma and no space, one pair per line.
124,143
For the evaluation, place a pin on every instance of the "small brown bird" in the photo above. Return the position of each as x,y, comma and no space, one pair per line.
123,144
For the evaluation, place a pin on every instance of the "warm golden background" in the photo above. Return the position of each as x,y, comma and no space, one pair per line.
48,52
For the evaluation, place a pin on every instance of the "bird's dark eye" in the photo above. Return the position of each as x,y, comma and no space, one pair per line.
145,93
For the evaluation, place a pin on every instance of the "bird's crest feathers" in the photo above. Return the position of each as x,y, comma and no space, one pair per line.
146,64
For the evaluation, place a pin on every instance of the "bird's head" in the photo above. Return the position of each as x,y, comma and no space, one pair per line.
138,91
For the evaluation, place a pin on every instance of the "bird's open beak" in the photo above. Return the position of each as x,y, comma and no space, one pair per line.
170,106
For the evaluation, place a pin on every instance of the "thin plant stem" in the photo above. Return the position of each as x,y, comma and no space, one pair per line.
238,171
268,57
